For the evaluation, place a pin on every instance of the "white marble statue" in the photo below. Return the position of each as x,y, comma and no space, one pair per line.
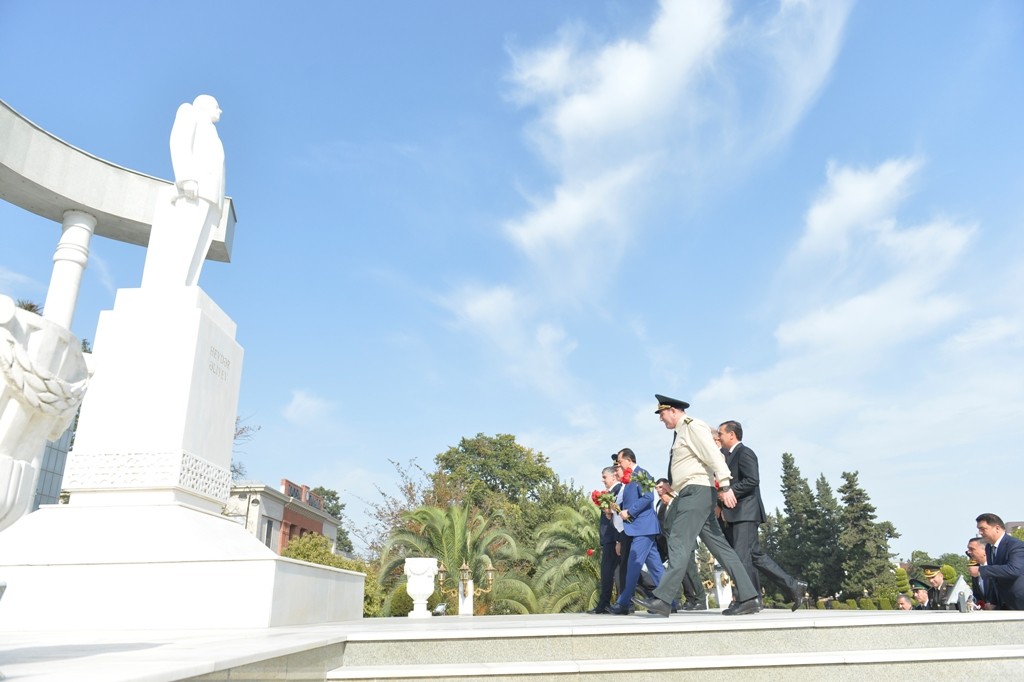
185,217
43,377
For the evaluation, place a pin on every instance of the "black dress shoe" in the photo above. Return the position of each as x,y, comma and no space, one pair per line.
798,594
742,608
695,606
598,610
654,606
617,610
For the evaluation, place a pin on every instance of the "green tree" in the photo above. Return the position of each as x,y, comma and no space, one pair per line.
1018,532
902,581
453,535
568,577
826,569
864,543
499,476
29,306
959,563
316,549
336,508
796,535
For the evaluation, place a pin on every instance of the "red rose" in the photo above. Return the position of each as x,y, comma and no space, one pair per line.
590,552
626,475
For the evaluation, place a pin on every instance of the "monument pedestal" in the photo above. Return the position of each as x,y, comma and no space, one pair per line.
142,542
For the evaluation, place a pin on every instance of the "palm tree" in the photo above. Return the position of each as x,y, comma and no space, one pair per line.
456,535
569,575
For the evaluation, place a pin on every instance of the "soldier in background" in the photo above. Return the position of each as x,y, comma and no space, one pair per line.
938,588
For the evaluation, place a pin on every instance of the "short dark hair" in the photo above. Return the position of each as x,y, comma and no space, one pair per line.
990,519
661,480
979,540
733,426
628,454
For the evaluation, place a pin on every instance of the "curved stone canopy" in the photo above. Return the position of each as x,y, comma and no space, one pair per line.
45,175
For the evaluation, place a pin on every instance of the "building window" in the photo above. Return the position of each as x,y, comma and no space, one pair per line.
268,536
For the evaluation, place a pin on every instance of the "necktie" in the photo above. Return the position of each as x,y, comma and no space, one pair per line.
669,477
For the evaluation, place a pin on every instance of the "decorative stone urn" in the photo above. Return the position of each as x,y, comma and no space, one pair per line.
420,574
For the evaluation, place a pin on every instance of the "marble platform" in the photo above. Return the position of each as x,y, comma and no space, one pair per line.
809,644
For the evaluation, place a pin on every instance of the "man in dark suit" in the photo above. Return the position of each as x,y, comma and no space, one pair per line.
1005,567
742,521
981,588
641,525
608,536
694,595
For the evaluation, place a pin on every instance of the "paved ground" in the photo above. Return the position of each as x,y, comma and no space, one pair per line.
163,656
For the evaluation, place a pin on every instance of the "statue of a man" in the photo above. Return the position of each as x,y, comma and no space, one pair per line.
184,222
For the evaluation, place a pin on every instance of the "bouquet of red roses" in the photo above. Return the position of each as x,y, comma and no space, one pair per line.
604,499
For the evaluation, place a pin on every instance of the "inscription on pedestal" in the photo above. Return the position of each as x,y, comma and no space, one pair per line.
219,364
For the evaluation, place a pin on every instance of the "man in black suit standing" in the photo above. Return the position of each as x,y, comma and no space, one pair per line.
742,521
981,588
608,536
1005,567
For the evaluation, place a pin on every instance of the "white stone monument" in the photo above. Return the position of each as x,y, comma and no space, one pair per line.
142,542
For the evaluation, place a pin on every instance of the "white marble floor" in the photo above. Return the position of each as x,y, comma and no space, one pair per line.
164,656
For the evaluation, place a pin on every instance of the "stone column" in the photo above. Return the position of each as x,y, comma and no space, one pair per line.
69,261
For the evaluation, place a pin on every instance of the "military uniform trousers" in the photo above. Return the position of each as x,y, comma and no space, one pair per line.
690,515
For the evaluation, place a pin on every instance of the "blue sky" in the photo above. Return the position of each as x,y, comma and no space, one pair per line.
527,218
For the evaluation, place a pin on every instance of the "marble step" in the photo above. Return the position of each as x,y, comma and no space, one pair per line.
940,662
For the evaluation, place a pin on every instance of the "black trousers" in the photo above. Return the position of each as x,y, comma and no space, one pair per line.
742,535
609,562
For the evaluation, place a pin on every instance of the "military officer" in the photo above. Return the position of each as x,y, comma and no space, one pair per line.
938,588
694,465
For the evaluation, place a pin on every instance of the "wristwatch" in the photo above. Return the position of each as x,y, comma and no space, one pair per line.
724,488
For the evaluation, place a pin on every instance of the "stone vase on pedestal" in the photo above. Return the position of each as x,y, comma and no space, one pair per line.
723,588
420,574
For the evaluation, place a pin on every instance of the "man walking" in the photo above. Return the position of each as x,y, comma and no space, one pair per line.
695,598
608,536
694,465
743,520
641,525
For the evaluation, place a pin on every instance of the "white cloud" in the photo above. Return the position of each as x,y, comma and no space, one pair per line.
306,408
12,282
533,351
854,199
628,122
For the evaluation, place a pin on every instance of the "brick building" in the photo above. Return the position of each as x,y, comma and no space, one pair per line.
278,516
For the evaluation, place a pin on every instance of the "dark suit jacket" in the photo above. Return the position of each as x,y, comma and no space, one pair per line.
662,541
641,510
606,531
745,483
985,596
1006,568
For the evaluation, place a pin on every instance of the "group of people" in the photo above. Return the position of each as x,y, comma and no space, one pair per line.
997,574
711,491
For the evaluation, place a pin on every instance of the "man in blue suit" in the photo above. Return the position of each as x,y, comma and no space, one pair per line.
1005,567
641,525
